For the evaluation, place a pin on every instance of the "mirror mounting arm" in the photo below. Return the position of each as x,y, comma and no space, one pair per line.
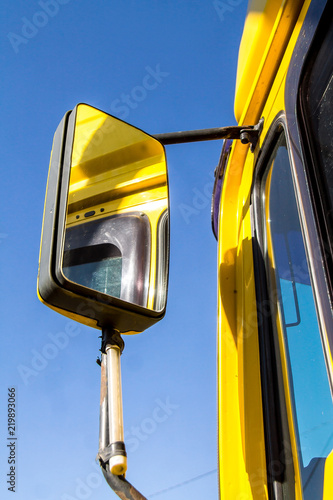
246,134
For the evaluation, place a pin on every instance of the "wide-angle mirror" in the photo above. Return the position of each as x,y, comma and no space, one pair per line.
110,220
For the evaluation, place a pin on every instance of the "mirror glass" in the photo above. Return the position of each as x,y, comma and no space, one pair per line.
117,232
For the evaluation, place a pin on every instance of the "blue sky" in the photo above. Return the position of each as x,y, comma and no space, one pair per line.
54,55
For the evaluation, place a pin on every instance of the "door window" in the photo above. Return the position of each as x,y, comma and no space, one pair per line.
294,318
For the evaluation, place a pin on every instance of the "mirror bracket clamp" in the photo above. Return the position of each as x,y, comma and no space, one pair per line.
251,134
111,337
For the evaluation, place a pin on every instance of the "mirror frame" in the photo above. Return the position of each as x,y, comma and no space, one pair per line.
82,304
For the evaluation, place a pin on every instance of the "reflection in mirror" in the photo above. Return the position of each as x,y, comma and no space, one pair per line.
117,233
98,267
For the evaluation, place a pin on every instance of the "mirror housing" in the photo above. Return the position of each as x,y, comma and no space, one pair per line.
104,254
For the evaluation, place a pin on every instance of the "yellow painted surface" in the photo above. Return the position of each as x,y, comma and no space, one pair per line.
241,437
267,30
270,34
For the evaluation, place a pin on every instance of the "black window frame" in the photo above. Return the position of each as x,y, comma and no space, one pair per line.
279,462
316,177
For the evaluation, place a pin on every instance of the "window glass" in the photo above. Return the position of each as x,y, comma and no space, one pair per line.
293,300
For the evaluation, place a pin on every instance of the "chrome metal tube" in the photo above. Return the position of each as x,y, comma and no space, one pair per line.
112,455
103,416
118,460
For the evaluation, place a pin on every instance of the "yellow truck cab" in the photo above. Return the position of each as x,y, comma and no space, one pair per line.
272,216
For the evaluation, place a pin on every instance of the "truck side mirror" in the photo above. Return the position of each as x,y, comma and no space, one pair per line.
104,254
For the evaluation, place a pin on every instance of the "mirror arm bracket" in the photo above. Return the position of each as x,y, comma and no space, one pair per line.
124,489
246,134
113,338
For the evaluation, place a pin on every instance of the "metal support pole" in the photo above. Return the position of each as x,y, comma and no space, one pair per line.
118,460
112,454
246,134
111,428
103,416
209,134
